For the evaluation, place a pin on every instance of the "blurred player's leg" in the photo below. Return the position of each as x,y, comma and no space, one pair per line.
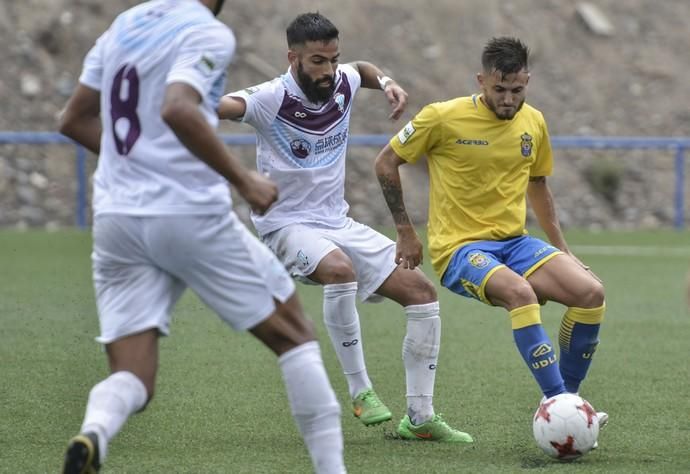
133,361
312,400
245,284
134,300
314,406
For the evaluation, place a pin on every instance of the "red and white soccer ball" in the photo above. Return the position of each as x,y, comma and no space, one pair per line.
566,426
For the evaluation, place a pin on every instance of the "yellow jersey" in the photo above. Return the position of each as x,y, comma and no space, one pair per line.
479,168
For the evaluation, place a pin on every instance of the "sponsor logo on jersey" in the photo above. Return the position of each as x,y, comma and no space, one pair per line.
478,260
330,142
542,250
300,148
471,141
405,134
339,99
526,144
206,65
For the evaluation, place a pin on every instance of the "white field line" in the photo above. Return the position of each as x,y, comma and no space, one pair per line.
631,250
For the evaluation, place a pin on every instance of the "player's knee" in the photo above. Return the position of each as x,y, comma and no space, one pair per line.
593,295
520,294
422,291
340,271
598,294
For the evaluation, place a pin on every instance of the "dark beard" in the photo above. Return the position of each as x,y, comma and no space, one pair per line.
493,108
312,89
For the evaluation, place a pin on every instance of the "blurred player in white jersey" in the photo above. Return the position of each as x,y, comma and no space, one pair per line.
301,120
163,221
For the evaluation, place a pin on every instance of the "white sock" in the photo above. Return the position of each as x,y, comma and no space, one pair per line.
342,321
111,402
314,406
420,356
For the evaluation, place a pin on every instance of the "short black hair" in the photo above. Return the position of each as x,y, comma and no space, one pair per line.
506,55
311,27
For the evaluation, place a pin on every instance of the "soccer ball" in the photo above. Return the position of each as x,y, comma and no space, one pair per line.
565,426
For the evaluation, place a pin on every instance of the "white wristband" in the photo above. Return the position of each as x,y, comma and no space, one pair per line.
383,81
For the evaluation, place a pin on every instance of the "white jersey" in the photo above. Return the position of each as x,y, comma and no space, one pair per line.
143,168
302,147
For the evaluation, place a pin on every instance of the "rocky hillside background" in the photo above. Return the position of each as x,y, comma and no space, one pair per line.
631,81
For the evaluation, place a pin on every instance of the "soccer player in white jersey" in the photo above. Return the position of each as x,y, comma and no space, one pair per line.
301,120
163,221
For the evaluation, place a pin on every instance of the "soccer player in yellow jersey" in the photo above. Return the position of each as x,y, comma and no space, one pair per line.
486,154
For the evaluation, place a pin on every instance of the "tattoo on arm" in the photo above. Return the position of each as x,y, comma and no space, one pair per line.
392,193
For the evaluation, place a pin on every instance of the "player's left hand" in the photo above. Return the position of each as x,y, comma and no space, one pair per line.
397,97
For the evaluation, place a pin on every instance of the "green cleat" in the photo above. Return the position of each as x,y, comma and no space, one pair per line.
368,407
433,430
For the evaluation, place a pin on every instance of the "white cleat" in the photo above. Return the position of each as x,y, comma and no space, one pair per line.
603,418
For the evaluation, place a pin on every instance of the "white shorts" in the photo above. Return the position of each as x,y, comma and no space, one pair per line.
142,265
302,246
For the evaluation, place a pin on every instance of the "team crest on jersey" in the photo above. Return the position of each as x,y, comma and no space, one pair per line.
405,134
339,99
300,148
526,144
478,260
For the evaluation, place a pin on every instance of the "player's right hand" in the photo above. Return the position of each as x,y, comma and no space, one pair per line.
259,192
397,97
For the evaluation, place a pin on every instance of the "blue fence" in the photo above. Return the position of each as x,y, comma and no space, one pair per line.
677,145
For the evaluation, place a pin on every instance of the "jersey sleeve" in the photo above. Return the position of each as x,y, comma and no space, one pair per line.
418,136
262,103
203,58
543,164
92,70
